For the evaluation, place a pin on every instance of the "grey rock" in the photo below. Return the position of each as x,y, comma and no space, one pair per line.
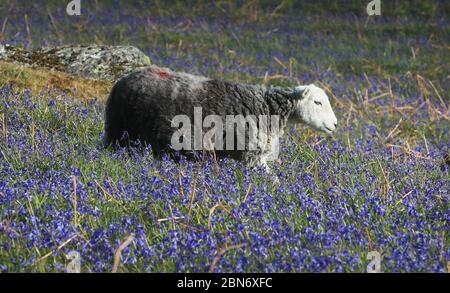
93,62
101,62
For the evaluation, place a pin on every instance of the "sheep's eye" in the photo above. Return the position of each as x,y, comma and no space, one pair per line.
318,103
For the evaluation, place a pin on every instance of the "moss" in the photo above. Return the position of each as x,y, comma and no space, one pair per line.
36,58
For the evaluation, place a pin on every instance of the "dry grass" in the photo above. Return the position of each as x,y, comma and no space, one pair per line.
38,79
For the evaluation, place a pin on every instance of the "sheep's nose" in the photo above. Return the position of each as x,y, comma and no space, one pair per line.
335,124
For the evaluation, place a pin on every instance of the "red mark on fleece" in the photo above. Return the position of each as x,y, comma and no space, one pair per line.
160,73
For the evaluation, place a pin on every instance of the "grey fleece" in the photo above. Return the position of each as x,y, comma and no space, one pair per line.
142,104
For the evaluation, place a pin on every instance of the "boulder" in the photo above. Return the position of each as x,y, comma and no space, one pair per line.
93,62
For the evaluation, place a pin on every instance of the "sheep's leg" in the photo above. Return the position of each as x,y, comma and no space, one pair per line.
271,154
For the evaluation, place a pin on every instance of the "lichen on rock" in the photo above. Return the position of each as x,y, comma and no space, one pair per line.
94,62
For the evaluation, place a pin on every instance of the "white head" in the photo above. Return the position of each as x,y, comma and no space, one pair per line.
314,109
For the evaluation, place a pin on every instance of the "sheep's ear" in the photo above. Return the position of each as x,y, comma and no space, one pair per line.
302,91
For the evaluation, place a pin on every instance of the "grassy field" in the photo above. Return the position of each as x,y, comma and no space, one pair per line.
378,184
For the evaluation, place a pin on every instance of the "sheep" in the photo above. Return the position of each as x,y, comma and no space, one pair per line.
144,105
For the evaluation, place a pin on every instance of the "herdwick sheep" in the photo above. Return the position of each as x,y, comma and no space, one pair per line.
142,107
